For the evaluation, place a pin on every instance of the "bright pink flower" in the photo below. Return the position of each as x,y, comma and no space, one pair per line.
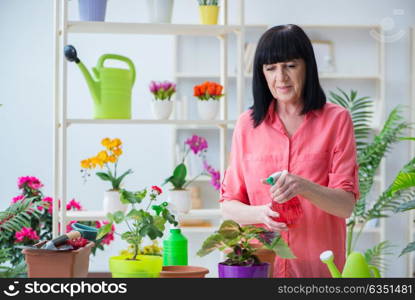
25,235
30,181
17,198
157,189
110,236
69,227
73,204
214,175
49,200
197,143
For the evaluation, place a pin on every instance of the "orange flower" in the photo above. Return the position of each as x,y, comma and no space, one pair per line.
202,89
117,151
219,89
196,91
212,89
112,158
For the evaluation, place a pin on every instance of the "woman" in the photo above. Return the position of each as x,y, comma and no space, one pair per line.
291,127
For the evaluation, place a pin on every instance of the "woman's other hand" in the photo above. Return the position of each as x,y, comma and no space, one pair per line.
266,214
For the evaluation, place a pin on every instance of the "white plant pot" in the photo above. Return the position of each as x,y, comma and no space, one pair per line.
161,109
160,11
180,201
208,109
112,202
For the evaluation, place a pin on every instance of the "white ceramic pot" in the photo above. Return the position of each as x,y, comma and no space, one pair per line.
161,109
160,11
208,109
180,201
112,202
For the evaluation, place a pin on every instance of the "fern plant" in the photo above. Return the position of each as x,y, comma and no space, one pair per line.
370,153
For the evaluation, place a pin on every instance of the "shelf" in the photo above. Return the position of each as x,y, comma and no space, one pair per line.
376,230
100,215
198,229
203,127
151,122
207,75
349,76
151,28
340,26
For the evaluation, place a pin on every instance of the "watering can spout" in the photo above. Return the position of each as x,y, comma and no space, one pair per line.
327,257
93,85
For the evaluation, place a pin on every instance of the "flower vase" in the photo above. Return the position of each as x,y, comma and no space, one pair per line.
112,202
160,11
209,14
180,200
161,109
92,10
208,109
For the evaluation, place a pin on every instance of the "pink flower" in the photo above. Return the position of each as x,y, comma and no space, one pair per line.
48,200
17,198
26,234
73,204
157,189
197,143
69,227
30,181
110,236
154,87
214,175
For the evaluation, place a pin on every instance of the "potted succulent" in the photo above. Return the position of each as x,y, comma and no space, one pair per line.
179,196
92,10
208,95
237,242
108,158
139,261
162,104
208,12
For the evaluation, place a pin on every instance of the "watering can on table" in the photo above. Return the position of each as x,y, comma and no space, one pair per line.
355,266
111,90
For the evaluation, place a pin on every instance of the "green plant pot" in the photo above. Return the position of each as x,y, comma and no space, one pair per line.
145,266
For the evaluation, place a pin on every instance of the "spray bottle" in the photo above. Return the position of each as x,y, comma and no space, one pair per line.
175,248
289,211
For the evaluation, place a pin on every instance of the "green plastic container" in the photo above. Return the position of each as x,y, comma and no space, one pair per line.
175,249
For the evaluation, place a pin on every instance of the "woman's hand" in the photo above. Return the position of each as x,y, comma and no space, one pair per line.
287,187
265,216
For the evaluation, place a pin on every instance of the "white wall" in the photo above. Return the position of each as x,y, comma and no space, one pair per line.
26,84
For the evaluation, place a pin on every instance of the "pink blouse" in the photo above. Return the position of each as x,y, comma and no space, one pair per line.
322,150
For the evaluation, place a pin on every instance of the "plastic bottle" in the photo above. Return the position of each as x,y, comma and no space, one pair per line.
175,248
289,211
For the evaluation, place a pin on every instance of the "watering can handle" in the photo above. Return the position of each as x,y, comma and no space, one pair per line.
128,61
374,271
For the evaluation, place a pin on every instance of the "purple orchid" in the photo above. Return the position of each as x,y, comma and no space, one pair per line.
197,143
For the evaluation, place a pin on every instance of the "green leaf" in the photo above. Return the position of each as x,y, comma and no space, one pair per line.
406,206
403,181
135,214
151,231
409,248
280,247
374,255
104,230
118,217
210,244
117,181
140,195
127,197
159,223
229,229
104,176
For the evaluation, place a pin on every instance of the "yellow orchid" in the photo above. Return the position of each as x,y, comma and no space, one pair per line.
103,156
112,158
117,151
115,143
106,143
86,163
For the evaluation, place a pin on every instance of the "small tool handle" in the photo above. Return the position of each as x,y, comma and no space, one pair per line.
60,240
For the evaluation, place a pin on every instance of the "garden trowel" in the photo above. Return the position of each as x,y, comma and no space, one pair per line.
53,245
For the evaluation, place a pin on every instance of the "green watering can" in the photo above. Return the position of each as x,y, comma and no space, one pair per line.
355,266
111,91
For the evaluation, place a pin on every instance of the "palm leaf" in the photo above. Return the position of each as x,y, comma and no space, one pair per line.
18,215
375,255
403,181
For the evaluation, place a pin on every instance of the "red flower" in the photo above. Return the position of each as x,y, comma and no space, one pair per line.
78,243
157,189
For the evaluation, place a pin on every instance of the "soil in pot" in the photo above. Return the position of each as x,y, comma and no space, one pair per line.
183,272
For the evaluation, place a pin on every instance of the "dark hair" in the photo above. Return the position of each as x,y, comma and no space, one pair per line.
280,44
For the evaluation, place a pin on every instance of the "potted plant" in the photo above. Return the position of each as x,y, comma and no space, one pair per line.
162,104
179,196
92,10
208,95
208,12
160,11
139,261
237,242
108,158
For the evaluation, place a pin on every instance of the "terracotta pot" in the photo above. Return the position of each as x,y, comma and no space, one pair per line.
183,272
266,256
58,264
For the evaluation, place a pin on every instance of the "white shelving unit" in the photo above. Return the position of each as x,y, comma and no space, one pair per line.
63,28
